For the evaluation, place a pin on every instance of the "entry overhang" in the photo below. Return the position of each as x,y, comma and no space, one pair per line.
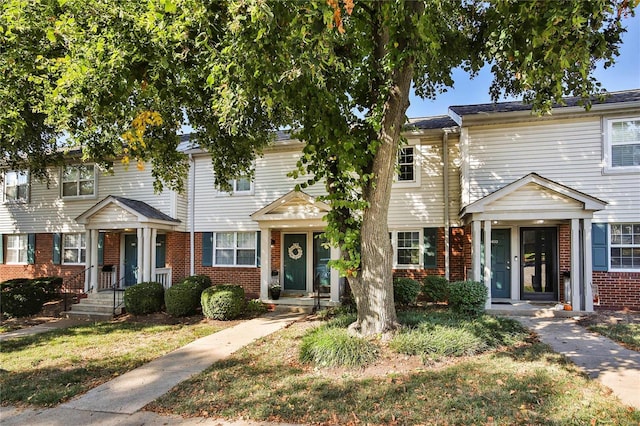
118,213
294,209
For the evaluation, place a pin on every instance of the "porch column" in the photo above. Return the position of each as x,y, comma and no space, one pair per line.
475,251
146,253
587,275
575,264
487,261
91,260
154,234
265,262
335,276
140,243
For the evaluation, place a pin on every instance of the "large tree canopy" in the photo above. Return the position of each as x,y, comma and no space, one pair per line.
118,79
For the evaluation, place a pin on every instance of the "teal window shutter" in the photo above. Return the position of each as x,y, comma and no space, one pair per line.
31,249
599,248
207,249
100,248
1,248
57,243
258,248
161,250
430,247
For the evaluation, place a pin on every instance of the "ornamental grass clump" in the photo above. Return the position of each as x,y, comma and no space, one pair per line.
334,347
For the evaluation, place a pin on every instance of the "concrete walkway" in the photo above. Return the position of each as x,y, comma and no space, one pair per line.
41,328
602,359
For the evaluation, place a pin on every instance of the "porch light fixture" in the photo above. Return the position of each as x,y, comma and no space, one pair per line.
273,243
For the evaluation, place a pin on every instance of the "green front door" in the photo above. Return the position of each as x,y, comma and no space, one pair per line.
295,262
500,263
130,260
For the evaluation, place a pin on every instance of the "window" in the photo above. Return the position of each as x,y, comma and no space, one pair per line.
625,246
74,249
234,248
16,186
241,186
406,164
623,143
17,248
408,248
78,181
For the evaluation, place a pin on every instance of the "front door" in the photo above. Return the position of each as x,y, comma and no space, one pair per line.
539,254
130,260
321,271
295,262
500,263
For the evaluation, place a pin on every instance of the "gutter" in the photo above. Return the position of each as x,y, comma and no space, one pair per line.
445,178
192,213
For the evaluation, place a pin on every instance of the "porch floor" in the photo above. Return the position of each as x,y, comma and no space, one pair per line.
531,309
300,303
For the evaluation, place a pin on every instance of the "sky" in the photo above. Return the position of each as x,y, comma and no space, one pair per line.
623,75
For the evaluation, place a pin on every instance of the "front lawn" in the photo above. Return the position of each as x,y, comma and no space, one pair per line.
509,379
50,368
620,326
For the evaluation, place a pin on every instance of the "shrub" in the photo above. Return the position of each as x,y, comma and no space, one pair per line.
21,297
255,307
223,302
144,298
203,281
436,288
332,346
51,286
467,297
405,291
183,299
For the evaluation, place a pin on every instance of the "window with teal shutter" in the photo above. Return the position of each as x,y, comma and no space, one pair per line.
430,247
1,249
207,249
599,250
258,244
100,248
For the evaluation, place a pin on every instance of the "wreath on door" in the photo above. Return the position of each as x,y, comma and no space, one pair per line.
295,251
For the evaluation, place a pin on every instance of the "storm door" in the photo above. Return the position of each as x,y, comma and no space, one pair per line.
539,263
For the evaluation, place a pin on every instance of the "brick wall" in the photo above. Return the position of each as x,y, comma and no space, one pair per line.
564,256
178,255
275,250
618,290
457,241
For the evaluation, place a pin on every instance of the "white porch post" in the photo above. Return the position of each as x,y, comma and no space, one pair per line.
335,276
93,272
265,262
154,234
146,253
475,250
487,261
575,263
139,243
587,265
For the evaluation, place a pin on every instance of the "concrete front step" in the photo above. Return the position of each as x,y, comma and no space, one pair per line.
96,306
88,315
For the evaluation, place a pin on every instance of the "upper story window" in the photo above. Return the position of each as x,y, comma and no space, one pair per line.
17,248
625,246
234,248
241,186
622,144
406,165
78,181
74,248
16,186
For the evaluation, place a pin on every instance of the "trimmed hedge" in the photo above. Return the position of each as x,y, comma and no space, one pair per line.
51,286
183,299
203,281
144,298
405,291
21,297
436,288
467,297
223,302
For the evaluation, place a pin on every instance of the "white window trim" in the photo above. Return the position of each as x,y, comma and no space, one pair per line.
394,244
79,197
63,248
607,168
235,249
18,200
417,170
26,249
610,246
234,192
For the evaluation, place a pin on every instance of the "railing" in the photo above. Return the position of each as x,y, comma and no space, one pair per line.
108,278
72,287
118,294
163,276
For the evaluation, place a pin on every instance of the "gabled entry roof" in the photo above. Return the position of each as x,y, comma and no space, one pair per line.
293,206
115,212
533,193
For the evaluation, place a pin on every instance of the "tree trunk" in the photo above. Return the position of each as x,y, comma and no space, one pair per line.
373,288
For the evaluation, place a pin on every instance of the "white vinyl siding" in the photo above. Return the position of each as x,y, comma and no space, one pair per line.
16,186
567,151
625,247
74,249
16,249
234,248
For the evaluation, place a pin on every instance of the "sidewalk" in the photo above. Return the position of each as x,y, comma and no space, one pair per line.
119,401
602,359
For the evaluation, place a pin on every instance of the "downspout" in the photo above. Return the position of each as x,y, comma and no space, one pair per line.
192,213
445,178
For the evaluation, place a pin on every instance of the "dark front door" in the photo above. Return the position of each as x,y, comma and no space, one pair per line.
500,263
539,260
295,262
130,260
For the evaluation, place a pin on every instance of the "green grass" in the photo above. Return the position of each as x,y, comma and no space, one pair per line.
332,346
52,367
626,334
524,384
